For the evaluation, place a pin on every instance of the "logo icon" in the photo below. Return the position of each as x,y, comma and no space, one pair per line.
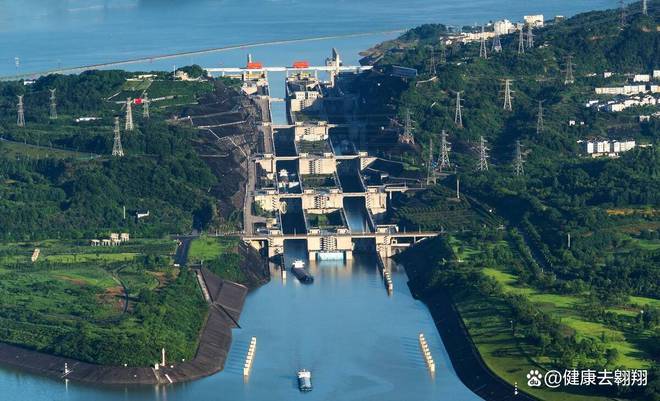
534,378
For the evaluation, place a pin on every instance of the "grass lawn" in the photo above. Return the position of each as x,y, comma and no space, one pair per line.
566,308
220,255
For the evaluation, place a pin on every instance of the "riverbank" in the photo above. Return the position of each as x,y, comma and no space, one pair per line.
465,357
228,299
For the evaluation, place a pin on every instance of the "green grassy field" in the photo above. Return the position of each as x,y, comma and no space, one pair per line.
220,255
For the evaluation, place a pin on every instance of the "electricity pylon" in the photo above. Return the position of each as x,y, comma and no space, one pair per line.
117,149
145,106
539,119
483,155
508,106
444,151
530,37
458,116
483,52
645,7
518,167
53,105
622,22
432,69
430,171
20,121
569,79
497,44
407,136
128,126
521,41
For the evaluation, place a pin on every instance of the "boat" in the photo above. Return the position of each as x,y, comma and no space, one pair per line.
298,269
304,380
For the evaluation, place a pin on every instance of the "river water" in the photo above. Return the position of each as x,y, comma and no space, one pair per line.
360,343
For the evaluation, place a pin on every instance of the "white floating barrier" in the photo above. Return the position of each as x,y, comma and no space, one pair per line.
250,357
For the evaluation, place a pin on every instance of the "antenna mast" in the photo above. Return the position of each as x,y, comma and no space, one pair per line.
21,112
117,149
483,155
458,117
53,105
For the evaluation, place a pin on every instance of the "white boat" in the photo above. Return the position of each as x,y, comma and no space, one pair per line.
298,264
304,380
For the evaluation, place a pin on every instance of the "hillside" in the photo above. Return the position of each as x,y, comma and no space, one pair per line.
588,301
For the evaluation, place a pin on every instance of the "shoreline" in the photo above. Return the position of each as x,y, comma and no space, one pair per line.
227,298
463,353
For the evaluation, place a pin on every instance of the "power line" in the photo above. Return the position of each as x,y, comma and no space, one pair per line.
508,106
483,155
518,167
53,105
117,149
458,116
20,121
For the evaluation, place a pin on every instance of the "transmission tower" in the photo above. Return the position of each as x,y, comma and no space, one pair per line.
518,167
432,69
444,151
145,106
458,117
530,37
483,53
645,7
521,41
407,136
117,150
508,106
569,79
53,105
483,155
539,119
497,44
443,52
21,112
129,115
430,171
622,22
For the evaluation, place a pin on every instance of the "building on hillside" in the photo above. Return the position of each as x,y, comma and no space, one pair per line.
610,148
503,27
535,21
642,78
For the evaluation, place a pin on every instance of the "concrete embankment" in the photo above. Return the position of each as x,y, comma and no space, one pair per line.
465,357
227,303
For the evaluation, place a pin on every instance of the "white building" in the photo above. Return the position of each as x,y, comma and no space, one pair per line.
503,27
656,74
607,74
606,147
642,78
535,21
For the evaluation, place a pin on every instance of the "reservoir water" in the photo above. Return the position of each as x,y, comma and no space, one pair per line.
359,343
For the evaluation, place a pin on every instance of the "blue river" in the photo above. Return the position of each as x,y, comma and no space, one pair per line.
360,343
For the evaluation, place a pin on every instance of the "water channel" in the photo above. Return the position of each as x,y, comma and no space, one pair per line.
360,343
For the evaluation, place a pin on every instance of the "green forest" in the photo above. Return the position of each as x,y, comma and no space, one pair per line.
568,250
